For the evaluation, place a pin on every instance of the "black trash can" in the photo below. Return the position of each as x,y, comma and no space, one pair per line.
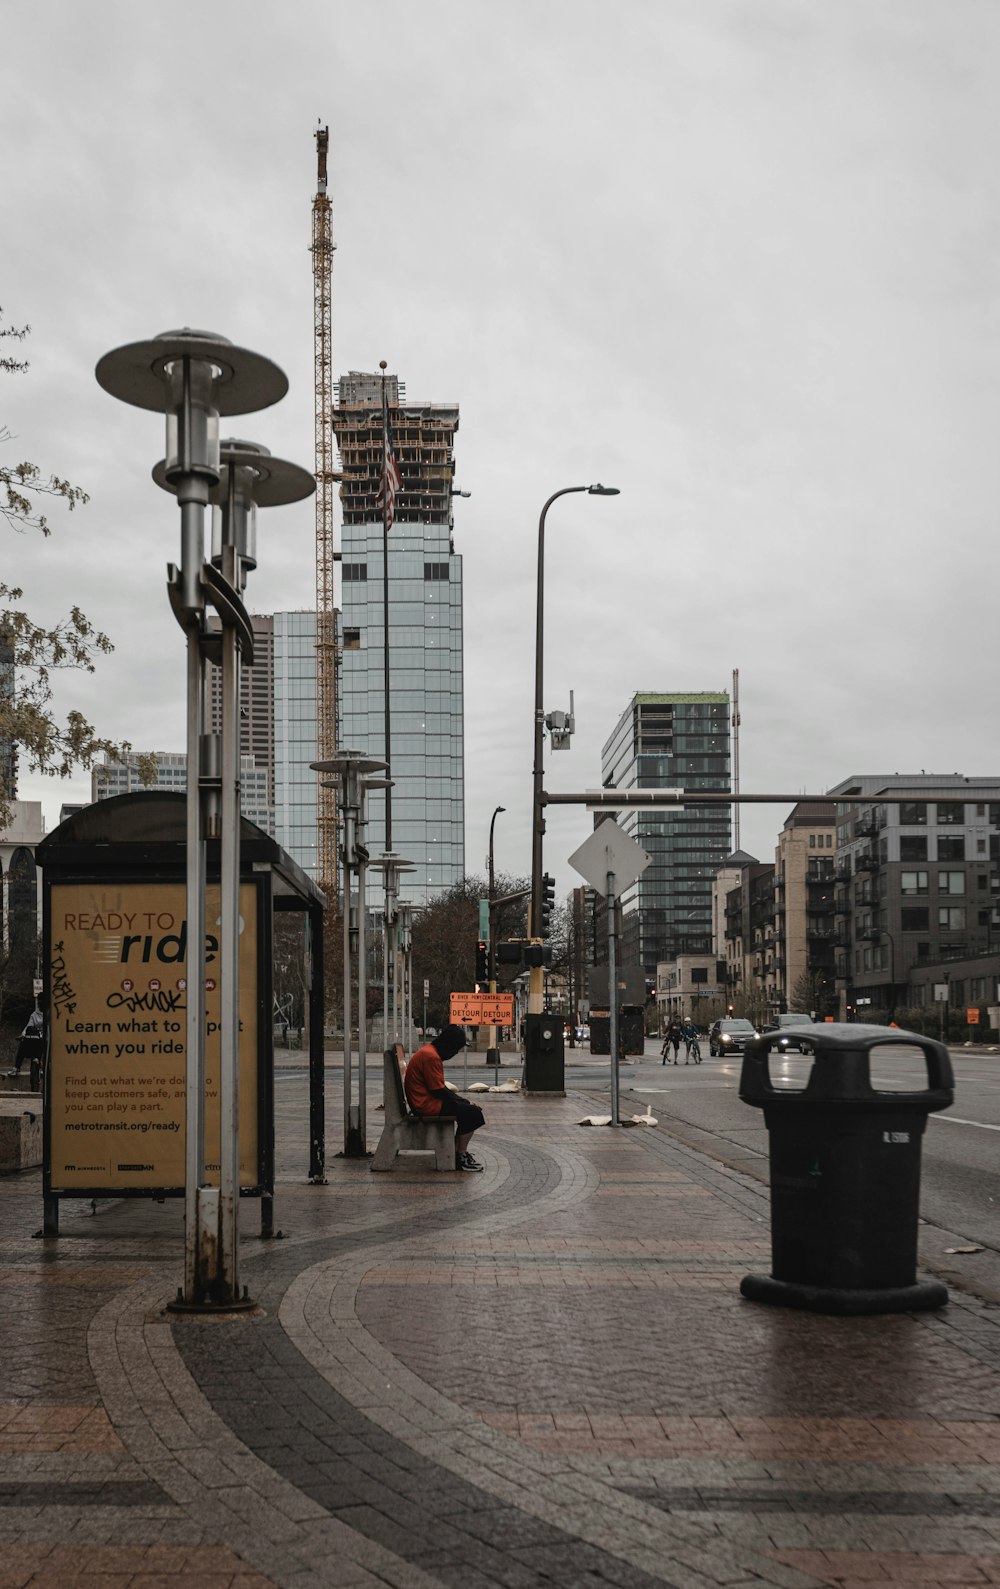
845,1173
544,1057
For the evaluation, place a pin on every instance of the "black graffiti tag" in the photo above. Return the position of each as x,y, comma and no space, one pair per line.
63,995
167,1000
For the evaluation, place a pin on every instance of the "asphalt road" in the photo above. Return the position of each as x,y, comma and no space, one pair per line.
960,1189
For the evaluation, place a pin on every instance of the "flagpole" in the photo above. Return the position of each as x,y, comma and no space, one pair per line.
387,924
385,608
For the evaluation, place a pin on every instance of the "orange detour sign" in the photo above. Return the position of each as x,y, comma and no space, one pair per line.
481,1009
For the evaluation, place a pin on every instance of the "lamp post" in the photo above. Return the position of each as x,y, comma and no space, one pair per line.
392,867
491,947
352,767
405,912
249,478
536,978
194,377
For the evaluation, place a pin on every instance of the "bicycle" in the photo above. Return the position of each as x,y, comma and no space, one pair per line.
694,1051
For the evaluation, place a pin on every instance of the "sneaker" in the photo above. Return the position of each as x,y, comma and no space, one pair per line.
465,1161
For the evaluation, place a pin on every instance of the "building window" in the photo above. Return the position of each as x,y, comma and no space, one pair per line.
912,815
913,882
951,882
354,572
915,918
951,848
951,918
950,813
435,570
913,847
352,639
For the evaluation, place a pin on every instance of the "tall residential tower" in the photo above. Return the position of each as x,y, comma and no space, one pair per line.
425,625
672,741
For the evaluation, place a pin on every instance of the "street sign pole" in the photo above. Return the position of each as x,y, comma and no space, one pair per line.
613,998
608,858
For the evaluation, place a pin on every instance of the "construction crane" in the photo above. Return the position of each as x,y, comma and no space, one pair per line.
326,479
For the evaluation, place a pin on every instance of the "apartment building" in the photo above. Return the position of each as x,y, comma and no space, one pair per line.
667,740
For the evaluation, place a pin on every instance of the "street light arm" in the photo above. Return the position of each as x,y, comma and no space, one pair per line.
538,808
538,822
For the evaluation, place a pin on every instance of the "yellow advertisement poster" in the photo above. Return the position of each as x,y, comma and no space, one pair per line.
118,991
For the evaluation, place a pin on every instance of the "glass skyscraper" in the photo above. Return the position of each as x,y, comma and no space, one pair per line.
425,629
672,741
293,687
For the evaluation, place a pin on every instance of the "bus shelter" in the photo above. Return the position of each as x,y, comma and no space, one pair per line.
114,972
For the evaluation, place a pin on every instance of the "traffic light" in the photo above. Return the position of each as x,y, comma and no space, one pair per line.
482,963
538,954
730,1008
548,900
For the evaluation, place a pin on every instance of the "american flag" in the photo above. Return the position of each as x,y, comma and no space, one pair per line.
391,481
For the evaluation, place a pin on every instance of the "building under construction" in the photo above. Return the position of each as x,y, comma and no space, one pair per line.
426,751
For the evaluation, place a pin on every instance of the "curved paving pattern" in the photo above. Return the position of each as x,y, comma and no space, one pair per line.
543,1375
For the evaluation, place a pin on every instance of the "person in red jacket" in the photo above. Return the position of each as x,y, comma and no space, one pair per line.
426,1093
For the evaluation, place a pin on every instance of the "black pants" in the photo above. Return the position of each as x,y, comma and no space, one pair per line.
468,1115
29,1048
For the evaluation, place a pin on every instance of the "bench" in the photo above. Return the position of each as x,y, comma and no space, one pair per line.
404,1132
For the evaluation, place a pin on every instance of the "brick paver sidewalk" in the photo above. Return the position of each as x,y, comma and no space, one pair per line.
540,1375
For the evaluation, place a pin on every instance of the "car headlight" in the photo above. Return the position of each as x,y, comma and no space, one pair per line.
726,1037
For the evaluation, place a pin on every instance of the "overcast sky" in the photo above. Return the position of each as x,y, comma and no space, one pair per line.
735,257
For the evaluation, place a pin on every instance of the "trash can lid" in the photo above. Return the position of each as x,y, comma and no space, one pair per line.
841,1068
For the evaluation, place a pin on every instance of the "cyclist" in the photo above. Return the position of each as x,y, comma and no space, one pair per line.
689,1032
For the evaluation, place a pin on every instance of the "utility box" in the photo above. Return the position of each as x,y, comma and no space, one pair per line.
544,1057
845,1171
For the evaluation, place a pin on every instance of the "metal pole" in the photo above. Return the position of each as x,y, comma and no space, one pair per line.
317,1099
397,966
229,956
347,975
385,613
385,968
736,756
672,798
193,497
535,980
194,970
362,992
613,998
491,952
535,984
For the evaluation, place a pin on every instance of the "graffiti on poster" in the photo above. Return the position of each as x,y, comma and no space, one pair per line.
118,1003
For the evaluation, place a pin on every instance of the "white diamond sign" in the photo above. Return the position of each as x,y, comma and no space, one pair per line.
609,850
